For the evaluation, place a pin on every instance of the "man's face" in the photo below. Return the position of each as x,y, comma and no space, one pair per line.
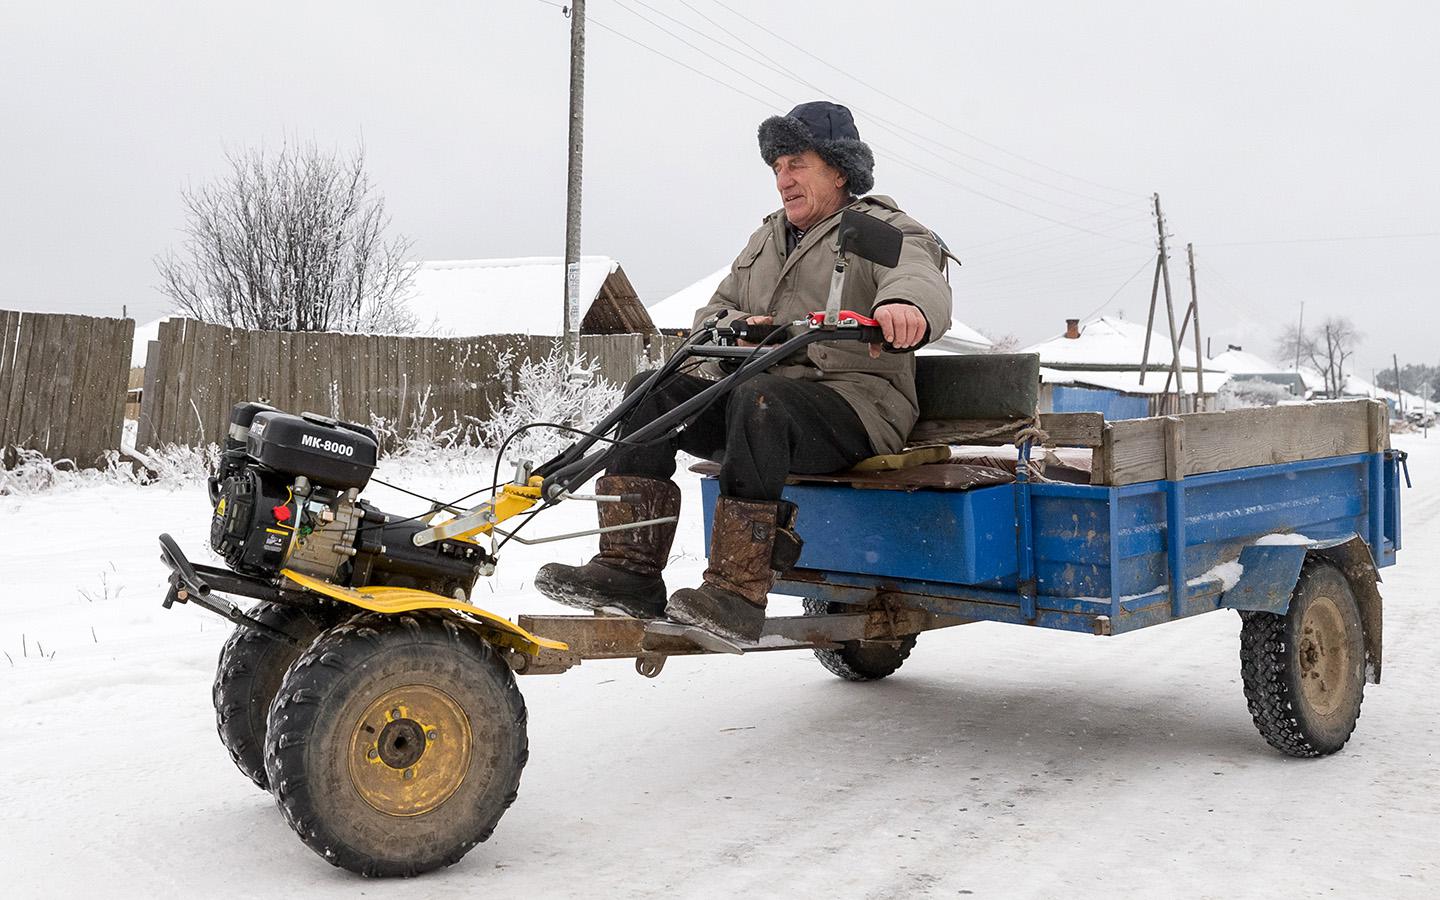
810,188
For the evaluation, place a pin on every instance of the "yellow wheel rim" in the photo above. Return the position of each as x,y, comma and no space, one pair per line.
410,750
1324,656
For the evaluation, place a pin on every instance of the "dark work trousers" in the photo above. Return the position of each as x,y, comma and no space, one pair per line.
765,429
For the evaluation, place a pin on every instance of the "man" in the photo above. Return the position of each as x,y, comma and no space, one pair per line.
841,403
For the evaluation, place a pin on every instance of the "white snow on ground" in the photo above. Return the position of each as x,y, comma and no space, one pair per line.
1001,761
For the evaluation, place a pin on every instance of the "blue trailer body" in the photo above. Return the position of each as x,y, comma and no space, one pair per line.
1093,558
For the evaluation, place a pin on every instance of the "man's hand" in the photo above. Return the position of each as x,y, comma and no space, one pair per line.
756,320
904,326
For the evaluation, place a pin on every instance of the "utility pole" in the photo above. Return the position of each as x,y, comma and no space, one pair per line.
572,192
1162,271
1299,335
1192,310
1399,395
1195,308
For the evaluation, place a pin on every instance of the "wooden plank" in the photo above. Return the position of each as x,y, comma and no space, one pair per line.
426,379
1136,451
116,381
1065,430
109,350
170,338
238,382
1251,437
284,374
1175,464
1379,427
89,412
190,423
218,409
202,383
27,338
9,333
111,386
1238,438
62,373
35,417
368,373
145,429
1102,457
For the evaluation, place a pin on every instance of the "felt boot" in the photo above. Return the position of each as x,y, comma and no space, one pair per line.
731,600
624,576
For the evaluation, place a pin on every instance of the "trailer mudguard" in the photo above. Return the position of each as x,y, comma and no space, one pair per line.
392,600
1271,572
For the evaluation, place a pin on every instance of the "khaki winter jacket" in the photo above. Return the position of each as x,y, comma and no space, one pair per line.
763,281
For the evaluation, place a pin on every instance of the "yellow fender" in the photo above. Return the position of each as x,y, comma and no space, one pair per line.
391,600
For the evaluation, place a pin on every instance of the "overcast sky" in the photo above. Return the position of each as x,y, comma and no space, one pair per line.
1015,130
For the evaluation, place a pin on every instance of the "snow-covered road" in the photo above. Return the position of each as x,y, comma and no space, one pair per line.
1001,761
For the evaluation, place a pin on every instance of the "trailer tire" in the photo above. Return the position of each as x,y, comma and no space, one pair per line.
396,743
1304,672
859,660
248,675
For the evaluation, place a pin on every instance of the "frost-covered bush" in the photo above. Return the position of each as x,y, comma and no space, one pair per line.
547,393
1241,393
173,465
32,473
423,431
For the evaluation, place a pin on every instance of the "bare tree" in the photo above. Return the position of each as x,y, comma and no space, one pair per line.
291,241
1327,348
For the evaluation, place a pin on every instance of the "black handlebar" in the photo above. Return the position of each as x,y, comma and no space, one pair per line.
574,466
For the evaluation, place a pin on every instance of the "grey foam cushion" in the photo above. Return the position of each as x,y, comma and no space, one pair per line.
978,386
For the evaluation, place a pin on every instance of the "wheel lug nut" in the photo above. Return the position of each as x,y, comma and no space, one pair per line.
409,774
372,753
432,734
395,713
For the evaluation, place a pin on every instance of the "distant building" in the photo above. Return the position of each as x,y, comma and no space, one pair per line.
1243,366
526,295
1095,367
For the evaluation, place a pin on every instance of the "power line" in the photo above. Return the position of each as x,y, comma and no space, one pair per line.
1326,240
891,154
894,128
1094,312
759,57
918,110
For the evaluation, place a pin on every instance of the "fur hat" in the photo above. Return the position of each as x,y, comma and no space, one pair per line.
829,130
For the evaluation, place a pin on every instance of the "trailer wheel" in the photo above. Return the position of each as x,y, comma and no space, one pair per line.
396,743
252,664
859,660
1304,672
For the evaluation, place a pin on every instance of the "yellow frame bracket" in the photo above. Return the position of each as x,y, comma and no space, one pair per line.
513,500
393,600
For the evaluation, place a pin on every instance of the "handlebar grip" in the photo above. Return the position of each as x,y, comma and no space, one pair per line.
754,332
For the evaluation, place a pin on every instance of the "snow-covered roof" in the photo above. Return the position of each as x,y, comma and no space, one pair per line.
1128,380
678,311
1108,341
144,334
1355,386
525,295
1240,362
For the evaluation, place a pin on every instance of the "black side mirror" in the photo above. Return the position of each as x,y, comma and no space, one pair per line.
869,238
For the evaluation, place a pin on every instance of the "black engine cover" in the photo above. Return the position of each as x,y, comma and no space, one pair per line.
323,450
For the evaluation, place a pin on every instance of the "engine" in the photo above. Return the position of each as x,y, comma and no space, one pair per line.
287,496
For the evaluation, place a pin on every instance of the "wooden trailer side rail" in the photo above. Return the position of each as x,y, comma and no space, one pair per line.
1171,447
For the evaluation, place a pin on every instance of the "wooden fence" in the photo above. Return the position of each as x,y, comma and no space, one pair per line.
62,384
194,373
